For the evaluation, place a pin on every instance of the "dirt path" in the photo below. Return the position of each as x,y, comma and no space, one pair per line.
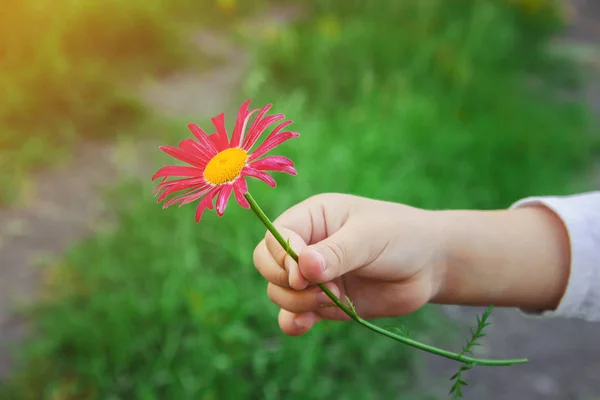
67,203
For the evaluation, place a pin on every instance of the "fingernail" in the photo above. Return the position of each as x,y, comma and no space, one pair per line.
321,260
299,324
289,263
297,281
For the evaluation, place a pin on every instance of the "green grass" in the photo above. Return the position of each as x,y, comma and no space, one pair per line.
467,98
444,114
184,315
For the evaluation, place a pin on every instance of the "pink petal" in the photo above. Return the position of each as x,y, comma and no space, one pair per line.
191,197
287,170
278,129
278,160
275,167
206,202
203,139
183,183
182,155
255,125
172,200
260,115
211,195
177,170
168,203
179,187
242,120
200,209
219,123
202,206
259,130
218,142
195,149
270,144
263,176
187,197
180,184
223,198
241,185
240,197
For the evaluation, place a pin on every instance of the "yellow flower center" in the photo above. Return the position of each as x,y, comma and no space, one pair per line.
225,166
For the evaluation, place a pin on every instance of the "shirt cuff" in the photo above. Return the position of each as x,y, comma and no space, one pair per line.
579,299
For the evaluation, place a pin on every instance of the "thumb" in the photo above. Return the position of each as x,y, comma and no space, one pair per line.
344,251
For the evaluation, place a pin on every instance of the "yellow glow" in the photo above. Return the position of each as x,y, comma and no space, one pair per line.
227,6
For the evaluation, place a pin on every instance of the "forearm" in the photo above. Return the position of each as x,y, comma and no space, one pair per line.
513,258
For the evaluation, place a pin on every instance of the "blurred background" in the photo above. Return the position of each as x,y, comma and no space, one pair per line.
435,103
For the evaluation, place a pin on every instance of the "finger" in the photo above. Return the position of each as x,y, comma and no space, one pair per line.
283,260
346,250
297,301
316,217
268,267
308,222
391,299
296,324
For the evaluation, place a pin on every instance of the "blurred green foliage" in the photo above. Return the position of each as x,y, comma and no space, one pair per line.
467,96
140,314
429,45
433,103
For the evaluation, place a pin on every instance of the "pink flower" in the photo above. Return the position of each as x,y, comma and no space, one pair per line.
218,165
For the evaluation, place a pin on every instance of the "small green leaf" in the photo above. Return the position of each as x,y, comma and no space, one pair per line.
328,305
351,305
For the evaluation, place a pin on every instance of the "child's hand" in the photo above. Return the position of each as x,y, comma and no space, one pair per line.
389,259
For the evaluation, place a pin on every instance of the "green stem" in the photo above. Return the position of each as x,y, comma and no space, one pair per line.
352,314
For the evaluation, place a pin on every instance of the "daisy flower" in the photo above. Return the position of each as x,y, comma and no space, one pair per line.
218,165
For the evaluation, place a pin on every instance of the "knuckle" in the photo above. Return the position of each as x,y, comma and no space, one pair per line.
316,198
326,196
322,199
271,293
293,302
269,239
257,254
339,254
300,303
274,295
282,278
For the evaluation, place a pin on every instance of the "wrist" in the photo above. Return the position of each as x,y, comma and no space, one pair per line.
512,258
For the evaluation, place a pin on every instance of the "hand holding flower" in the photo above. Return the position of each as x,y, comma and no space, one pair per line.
380,272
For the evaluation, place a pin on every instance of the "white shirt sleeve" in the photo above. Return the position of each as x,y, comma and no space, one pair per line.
581,215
